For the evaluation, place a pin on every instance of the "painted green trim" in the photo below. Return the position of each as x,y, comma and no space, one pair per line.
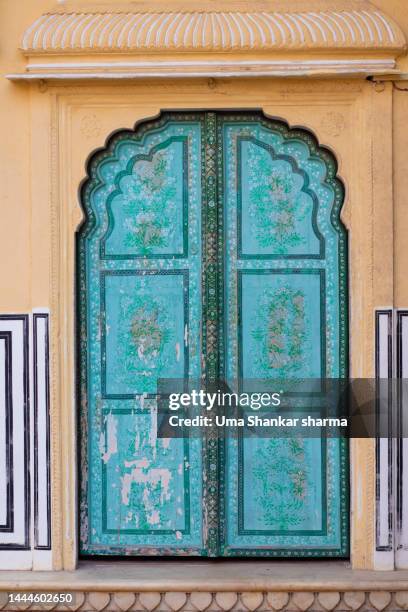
211,323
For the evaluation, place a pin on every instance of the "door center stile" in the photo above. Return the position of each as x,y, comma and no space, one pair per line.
212,323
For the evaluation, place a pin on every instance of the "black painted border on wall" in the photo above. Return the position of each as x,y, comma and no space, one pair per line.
36,317
24,319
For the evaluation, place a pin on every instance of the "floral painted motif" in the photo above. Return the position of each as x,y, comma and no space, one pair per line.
149,215
281,490
147,334
281,331
276,206
145,331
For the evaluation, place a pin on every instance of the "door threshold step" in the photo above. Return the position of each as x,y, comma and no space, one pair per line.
212,586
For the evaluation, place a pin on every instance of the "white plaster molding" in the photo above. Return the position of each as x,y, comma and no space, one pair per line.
212,30
251,40
218,68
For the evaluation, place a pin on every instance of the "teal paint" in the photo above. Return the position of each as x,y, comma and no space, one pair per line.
140,312
212,247
283,317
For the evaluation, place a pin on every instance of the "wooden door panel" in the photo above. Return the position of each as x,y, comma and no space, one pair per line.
140,312
263,298
285,318
281,314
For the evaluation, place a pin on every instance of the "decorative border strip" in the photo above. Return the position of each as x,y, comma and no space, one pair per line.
384,446
212,326
228,601
18,329
42,482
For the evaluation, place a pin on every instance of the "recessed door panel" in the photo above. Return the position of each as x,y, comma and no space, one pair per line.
281,323
212,249
144,318
285,313
139,258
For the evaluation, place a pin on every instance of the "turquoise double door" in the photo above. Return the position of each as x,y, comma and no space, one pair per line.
212,248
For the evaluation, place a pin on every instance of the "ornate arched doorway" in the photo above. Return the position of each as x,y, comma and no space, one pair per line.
212,247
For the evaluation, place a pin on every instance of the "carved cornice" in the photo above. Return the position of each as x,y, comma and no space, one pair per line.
217,39
184,30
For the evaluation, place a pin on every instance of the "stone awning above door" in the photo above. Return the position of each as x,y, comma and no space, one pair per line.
335,37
